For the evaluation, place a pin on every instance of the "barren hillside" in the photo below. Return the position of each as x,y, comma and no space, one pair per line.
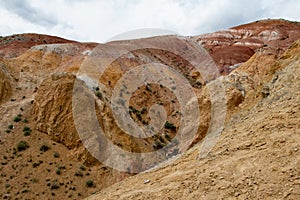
51,91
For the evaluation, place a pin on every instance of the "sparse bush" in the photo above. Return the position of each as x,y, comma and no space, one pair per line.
168,137
54,186
139,115
25,191
161,139
26,131
14,151
61,167
144,110
22,145
34,165
44,148
82,167
25,121
132,109
96,88
158,144
99,95
58,171
73,188
78,173
56,155
17,118
169,125
90,183
34,180
26,128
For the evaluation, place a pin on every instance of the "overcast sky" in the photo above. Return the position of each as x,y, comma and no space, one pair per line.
99,20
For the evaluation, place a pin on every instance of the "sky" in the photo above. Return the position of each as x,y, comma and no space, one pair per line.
101,20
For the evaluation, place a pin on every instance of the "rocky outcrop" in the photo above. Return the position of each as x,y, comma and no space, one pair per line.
53,109
5,85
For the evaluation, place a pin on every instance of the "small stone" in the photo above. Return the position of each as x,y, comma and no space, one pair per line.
287,194
146,181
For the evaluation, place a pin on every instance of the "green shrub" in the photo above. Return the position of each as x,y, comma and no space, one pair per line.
168,137
26,128
90,183
96,88
144,110
58,172
10,126
56,155
22,145
139,116
132,109
78,173
26,131
82,167
34,180
169,125
17,118
54,186
44,148
99,95
158,144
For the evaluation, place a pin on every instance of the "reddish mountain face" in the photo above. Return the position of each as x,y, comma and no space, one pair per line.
229,48
15,45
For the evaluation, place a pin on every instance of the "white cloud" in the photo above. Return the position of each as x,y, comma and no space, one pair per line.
93,20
